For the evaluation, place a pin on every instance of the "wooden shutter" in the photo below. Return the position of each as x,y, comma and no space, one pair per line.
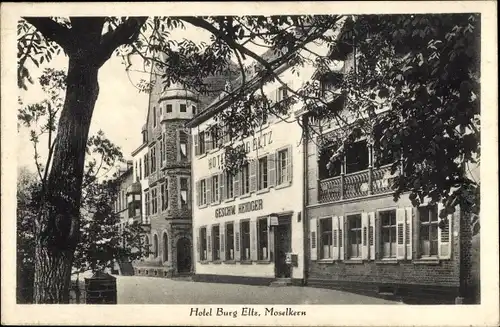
271,169
335,237
342,238
408,233
237,241
222,186
209,243
198,197
236,184
198,254
313,237
222,242
253,175
188,147
364,236
400,234
253,240
208,183
289,165
444,237
372,235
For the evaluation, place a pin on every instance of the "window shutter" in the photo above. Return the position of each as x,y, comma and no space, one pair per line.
222,186
236,184
198,245
209,243
253,175
313,237
253,240
198,198
372,235
197,144
444,237
208,140
237,242
208,184
400,234
335,237
188,147
342,241
222,242
408,234
271,169
364,236
289,166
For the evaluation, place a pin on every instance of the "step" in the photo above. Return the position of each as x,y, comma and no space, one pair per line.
281,282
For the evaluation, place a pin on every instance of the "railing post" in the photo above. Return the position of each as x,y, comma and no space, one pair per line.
370,178
342,173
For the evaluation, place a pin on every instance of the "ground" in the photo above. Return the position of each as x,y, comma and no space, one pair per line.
151,290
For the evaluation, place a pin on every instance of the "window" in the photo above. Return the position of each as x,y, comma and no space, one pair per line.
203,243
154,200
245,179
148,207
162,150
183,107
203,191
326,250
165,247
140,168
144,136
332,170
155,245
230,241
357,157
146,165
153,158
215,137
201,142
262,240
154,116
262,173
183,145
169,108
245,240
229,185
388,233
164,196
283,166
184,192
215,243
282,93
133,207
194,110
428,230
354,229
215,189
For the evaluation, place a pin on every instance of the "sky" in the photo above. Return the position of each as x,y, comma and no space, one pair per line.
120,110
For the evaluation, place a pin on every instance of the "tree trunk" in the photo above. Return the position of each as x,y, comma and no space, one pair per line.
59,216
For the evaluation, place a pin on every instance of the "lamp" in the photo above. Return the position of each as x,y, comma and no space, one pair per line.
271,216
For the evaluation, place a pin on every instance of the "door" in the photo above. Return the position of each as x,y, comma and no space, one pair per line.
183,255
282,241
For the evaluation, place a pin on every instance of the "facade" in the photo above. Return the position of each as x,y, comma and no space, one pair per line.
249,226
163,169
359,239
127,206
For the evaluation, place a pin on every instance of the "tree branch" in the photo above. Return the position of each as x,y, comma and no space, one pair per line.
125,33
52,30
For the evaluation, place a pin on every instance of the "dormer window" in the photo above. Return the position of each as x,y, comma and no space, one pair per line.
194,110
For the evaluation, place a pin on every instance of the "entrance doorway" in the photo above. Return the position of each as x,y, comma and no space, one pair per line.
183,255
283,244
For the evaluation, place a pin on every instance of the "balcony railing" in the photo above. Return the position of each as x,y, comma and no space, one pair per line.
355,185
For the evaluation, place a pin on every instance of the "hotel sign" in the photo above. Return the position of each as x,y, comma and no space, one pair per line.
245,207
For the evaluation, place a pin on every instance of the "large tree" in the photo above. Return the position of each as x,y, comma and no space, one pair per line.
402,41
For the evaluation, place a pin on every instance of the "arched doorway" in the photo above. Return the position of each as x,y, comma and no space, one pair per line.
183,255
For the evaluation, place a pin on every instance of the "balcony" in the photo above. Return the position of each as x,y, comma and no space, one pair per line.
356,185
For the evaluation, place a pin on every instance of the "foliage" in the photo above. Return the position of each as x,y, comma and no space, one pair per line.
101,240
